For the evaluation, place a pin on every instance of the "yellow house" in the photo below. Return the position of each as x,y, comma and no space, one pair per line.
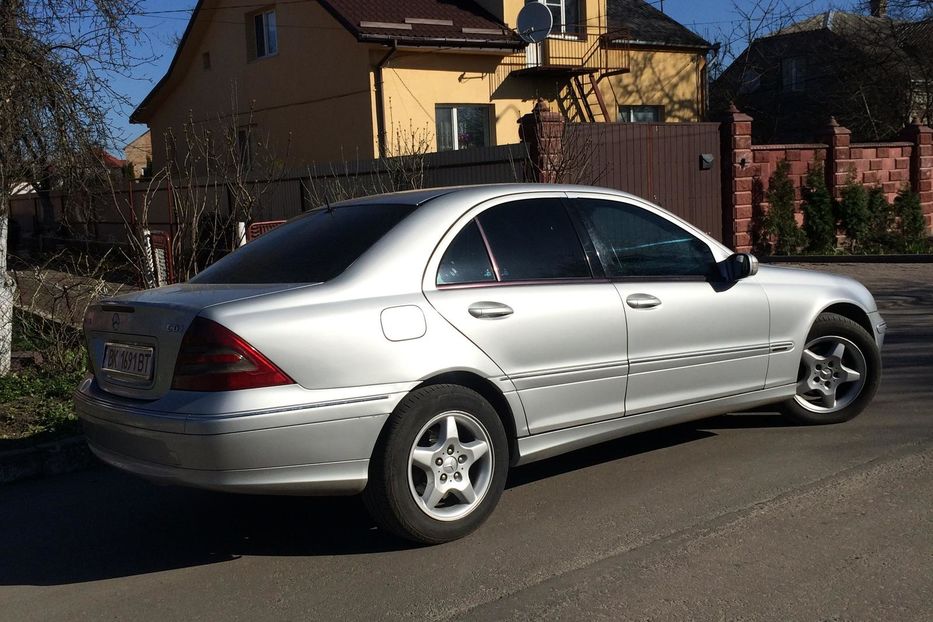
331,80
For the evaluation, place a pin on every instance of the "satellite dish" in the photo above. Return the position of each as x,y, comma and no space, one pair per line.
534,22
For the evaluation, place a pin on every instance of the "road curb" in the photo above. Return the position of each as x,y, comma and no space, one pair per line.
847,259
50,458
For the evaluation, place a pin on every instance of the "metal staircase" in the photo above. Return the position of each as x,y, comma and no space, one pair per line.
577,63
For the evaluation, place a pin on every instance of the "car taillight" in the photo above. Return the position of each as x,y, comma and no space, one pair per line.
213,358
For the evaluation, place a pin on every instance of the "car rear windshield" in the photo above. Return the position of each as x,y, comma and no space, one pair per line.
312,248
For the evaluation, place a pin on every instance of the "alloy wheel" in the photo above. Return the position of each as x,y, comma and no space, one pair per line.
450,465
832,374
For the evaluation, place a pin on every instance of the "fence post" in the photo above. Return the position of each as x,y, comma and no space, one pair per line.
738,173
838,156
921,166
543,131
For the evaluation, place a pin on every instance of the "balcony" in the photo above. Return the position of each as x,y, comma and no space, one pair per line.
591,51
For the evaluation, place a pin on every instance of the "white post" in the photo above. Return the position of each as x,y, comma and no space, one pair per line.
240,233
149,279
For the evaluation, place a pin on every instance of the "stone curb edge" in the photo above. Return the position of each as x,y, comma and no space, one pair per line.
50,458
847,259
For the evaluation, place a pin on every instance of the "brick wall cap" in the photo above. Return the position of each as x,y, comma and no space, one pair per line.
915,129
734,115
780,146
902,143
833,128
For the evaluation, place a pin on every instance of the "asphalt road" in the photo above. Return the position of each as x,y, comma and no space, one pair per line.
738,517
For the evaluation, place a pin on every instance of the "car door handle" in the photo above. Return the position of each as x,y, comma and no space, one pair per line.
489,310
642,301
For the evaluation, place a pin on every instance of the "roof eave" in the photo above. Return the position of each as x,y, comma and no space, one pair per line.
140,110
443,42
705,47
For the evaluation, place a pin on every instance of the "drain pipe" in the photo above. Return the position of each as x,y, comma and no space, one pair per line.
380,100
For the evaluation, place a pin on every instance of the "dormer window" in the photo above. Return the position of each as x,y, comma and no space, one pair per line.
265,39
793,74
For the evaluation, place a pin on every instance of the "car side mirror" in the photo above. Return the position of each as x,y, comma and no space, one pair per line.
741,265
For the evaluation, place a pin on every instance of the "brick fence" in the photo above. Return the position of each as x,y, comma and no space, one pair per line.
747,169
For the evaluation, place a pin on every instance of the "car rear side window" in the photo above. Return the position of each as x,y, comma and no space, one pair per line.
466,259
634,242
312,248
534,239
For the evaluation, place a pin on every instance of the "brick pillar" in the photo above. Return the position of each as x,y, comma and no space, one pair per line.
921,166
838,156
738,171
543,132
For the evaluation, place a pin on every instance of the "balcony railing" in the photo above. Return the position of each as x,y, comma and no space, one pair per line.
593,50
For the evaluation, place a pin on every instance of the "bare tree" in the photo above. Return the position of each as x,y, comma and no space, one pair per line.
57,61
796,67
903,9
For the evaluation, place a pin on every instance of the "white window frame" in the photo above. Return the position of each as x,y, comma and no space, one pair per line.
559,31
455,138
265,22
630,108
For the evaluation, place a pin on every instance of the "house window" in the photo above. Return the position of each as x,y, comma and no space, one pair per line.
566,15
641,114
265,38
462,127
793,73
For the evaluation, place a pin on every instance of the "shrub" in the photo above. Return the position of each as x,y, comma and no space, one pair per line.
881,237
779,223
819,223
911,227
853,213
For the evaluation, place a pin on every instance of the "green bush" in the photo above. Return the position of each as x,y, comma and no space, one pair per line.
881,237
911,225
819,222
779,223
853,213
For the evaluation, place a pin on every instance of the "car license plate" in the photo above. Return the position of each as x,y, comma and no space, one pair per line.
133,361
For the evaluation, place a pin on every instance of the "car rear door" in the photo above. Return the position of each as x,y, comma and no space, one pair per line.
692,336
515,278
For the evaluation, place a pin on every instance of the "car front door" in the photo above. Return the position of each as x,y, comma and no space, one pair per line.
515,278
692,335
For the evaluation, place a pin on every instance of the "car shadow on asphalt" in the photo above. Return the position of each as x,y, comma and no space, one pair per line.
102,523
641,443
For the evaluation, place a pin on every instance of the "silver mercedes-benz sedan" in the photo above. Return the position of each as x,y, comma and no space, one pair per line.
414,346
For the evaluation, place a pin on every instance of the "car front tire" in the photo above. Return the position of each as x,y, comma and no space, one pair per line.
840,370
439,467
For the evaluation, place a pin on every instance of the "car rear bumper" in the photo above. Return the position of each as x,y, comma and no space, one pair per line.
246,452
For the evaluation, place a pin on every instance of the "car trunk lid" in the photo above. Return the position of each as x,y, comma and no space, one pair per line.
133,340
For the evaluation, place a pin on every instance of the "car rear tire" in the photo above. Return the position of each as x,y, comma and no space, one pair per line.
439,467
840,370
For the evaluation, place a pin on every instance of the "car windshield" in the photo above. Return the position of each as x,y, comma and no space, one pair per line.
312,248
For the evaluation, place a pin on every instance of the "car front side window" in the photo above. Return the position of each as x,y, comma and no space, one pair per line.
636,243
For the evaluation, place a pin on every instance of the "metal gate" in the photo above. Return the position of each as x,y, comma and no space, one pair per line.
675,165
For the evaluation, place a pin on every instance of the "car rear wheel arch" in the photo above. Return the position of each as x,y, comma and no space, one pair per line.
491,394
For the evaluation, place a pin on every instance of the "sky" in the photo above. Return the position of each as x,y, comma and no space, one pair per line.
164,22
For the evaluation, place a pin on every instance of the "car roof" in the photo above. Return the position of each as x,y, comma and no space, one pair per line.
476,193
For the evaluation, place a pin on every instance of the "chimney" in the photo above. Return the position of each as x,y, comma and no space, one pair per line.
879,8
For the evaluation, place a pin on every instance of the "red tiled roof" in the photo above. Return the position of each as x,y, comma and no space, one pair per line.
457,23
